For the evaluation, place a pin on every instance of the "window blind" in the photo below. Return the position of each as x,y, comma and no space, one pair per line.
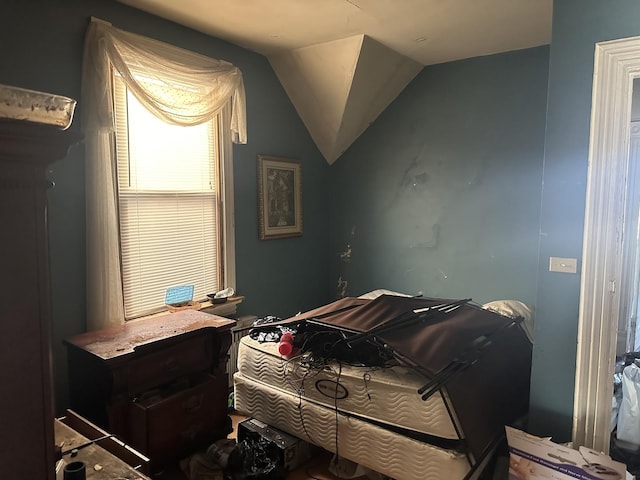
168,199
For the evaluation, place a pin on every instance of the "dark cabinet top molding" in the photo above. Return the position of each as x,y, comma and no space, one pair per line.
28,142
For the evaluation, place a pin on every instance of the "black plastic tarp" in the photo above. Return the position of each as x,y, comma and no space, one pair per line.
479,360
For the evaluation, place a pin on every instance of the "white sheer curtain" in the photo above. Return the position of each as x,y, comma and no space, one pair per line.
210,86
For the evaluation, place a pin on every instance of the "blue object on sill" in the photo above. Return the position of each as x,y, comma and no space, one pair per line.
178,295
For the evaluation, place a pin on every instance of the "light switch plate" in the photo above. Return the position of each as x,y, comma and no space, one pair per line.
563,265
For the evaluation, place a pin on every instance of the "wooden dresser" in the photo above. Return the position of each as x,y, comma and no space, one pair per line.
26,403
159,384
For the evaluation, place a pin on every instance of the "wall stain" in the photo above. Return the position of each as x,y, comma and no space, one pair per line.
342,287
428,241
345,255
415,178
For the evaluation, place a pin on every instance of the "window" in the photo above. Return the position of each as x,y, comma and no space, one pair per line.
184,88
169,204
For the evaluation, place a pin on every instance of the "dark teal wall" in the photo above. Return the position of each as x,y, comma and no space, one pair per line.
441,195
41,48
577,26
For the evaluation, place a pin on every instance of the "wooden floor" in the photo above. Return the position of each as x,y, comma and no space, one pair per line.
315,469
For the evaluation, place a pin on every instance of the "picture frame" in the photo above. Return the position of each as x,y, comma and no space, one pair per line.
279,197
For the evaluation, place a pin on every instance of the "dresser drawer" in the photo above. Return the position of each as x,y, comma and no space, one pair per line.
165,364
166,427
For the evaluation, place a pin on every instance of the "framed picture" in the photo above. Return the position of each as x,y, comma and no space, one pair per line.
279,197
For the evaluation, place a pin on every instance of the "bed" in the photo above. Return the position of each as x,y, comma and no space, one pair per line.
373,414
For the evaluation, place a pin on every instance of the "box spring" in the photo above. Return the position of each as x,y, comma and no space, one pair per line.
387,452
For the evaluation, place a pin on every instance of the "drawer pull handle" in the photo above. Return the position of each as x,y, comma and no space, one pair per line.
171,365
193,404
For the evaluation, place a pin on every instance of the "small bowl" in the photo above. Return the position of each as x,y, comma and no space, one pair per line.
212,297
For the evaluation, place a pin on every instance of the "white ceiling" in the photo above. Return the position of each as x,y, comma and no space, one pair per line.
326,52
427,31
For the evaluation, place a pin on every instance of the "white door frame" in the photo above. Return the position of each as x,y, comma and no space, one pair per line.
617,64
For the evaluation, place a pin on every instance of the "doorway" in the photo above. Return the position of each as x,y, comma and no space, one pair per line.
628,338
605,285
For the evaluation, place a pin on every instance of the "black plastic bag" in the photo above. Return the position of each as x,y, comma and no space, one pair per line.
256,458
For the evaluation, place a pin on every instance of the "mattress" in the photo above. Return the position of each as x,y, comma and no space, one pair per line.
387,396
480,359
392,454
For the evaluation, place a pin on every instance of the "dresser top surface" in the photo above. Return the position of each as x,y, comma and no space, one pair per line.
124,339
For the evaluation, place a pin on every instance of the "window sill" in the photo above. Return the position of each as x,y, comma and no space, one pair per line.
221,309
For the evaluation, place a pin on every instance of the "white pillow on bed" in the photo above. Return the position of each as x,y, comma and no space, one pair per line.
373,294
513,309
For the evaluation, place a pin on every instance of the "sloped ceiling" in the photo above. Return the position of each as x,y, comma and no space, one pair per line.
343,61
340,87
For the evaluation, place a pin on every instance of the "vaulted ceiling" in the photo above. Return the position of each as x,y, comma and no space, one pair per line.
343,61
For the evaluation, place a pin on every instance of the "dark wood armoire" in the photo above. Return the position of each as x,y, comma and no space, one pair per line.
26,399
